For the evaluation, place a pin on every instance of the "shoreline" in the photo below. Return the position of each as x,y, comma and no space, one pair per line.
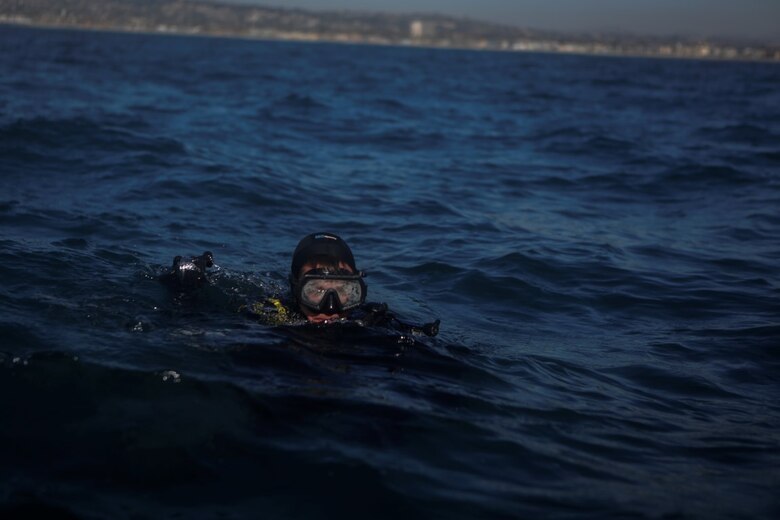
341,41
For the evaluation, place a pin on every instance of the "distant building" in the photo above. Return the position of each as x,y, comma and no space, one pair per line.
419,29
213,17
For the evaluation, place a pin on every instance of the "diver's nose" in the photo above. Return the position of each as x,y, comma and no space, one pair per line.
330,303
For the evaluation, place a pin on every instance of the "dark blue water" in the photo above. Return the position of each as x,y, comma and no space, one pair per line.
599,237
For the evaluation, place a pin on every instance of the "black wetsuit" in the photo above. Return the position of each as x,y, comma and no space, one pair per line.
190,275
275,311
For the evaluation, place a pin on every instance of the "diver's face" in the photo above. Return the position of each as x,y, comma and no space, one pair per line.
314,316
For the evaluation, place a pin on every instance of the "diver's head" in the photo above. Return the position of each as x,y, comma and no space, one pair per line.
324,281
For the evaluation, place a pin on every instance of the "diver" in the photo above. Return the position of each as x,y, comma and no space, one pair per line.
325,288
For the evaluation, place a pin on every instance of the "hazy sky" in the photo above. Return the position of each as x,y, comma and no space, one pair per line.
758,19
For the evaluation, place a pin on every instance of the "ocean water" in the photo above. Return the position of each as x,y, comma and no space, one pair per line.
599,237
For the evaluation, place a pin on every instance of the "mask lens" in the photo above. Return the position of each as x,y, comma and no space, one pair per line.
348,292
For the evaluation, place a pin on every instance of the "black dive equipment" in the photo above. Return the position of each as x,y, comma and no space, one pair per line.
187,274
325,245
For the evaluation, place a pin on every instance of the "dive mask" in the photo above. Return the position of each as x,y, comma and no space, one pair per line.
330,291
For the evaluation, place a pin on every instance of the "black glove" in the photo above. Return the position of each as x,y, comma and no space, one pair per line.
431,329
189,274
378,314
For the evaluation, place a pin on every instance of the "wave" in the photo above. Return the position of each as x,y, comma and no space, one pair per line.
742,134
244,192
543,287
771,157
79,138
705,176
303,102
233,428
400,138
393,106
658,380
582,141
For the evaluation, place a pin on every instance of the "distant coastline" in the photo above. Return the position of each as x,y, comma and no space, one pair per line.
205,18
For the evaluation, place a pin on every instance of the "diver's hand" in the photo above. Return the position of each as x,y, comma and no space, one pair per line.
188,274
379,314
431,329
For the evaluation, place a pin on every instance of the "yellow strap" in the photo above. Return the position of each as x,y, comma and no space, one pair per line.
279,315
281,310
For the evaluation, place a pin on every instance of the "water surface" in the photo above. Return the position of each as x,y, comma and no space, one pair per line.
599,237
